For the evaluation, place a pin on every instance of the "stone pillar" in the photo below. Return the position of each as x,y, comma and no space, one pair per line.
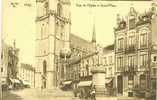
99,79
50,80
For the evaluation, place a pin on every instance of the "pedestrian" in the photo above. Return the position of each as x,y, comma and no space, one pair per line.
88,94
41,87
93,94
75,92
81,94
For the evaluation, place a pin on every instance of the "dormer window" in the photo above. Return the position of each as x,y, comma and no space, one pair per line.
46,7
132,17
132,23
59,9
132,11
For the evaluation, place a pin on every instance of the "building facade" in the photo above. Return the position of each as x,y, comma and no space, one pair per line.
82,52
87,63
80,48
13,59
4,63
9,65
26,73
52,41
134,40
109,65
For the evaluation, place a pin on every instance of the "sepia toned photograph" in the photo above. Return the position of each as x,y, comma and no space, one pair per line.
78,50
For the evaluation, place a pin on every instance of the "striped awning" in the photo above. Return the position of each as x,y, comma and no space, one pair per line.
108,80
85,83
67,82
26,83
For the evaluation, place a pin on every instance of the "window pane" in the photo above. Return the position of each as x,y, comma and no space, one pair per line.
155,58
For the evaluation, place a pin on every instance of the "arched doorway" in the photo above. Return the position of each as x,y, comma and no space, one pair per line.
59,9
44,73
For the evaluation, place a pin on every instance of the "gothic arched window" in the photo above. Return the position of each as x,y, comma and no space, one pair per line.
62,31
46,6
44,67
42,30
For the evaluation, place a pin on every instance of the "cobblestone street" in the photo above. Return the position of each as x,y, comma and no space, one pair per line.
37,94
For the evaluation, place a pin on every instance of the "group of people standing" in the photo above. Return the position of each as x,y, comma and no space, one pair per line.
85,93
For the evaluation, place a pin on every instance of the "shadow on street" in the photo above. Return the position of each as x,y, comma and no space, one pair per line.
8,95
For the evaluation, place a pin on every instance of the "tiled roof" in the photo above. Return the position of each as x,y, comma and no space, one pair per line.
108,48
81,44
78,42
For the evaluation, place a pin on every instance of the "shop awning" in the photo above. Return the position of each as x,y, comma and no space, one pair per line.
26,83
108,80
67,82
16,81
85,83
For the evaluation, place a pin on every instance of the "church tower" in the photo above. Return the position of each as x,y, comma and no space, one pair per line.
52,35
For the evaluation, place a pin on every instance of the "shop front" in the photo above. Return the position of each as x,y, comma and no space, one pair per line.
14,84
109,86
84,88
66,85
4,84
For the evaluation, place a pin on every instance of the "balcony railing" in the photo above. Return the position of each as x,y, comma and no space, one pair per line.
98,69
154,64
130,49
153,75
119,69
127,69
119,49
144,67
143,46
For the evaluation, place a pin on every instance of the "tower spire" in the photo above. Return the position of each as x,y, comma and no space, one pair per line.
14,43
94,34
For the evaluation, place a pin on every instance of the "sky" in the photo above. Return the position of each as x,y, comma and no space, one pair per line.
19,22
